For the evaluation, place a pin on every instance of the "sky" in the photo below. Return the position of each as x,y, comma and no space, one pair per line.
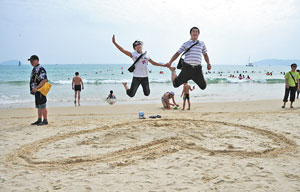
80,31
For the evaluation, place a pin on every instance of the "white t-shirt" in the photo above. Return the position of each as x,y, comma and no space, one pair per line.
141,67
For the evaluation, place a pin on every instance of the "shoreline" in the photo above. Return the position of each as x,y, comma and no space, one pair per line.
205,106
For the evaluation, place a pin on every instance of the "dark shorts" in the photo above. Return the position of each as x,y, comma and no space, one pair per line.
186,96
190,73
40,100
291,91
77,87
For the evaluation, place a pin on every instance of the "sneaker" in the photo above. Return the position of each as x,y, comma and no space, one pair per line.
43,123
37,122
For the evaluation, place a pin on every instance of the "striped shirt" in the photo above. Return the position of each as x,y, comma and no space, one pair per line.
194,55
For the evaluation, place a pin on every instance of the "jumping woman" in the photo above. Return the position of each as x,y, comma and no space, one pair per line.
140,72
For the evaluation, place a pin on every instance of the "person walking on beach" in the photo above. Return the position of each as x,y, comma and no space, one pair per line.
38,78
192,68
77,84
186,95
291,85
140,73
165,100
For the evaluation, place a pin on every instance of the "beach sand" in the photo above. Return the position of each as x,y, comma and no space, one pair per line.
229,146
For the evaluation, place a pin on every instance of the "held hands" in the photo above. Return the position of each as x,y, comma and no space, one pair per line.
34,90
168,64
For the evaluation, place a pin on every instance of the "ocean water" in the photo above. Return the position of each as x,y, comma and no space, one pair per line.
100,79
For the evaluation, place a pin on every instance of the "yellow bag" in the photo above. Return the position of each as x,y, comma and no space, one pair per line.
45,89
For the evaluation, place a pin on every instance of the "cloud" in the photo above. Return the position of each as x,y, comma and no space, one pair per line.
78,31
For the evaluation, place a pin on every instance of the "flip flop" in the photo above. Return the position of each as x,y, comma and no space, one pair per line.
152,117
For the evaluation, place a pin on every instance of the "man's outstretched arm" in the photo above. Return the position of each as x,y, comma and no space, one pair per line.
174,57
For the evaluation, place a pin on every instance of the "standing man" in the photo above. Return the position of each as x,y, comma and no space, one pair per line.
291,85
298,91
192,68
76,86
37,79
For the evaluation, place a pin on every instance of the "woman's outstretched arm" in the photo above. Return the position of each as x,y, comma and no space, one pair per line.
121,48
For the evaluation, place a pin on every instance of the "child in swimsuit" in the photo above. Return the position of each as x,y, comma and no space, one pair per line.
186,94
111,95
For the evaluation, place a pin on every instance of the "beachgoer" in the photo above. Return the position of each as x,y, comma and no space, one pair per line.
192,68
165,100
291,79
77,85
140,73
186,95
111,95
240,77
298,90
248,77
37,79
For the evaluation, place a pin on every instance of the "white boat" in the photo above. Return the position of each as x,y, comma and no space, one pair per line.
249,64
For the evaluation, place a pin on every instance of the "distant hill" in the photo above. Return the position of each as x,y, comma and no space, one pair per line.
10,62
277,62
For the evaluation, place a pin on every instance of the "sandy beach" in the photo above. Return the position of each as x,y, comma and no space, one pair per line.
228,146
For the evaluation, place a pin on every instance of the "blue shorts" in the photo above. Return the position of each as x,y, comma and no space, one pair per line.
186,96
42,106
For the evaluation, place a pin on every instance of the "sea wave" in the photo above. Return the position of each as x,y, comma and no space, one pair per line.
112,81
236,80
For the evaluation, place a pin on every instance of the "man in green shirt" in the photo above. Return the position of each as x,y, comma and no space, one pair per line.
298,91
291,85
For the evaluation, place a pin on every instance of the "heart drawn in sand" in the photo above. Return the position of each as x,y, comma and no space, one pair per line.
126,143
